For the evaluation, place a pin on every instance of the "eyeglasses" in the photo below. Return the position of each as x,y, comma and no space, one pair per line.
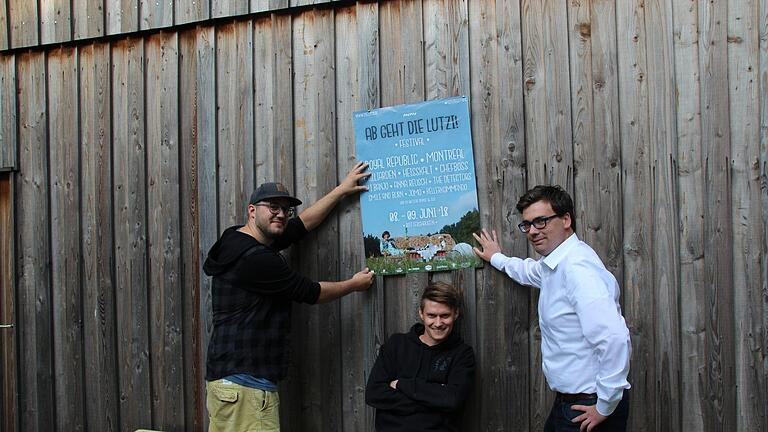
539,223
275,209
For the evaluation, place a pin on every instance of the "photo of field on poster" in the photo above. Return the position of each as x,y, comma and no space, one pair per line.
421,206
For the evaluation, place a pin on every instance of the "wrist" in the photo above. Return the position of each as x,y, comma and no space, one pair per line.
339,191
350,286
605,408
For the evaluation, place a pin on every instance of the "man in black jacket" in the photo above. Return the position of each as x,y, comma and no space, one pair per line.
253,289
421,378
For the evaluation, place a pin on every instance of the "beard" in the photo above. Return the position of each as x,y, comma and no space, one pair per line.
271,230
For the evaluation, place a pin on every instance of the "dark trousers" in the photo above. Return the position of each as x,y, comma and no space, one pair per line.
560,416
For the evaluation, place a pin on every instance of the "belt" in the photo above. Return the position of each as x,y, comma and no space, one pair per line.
575,397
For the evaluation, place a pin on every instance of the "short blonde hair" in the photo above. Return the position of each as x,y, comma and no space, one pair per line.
444,293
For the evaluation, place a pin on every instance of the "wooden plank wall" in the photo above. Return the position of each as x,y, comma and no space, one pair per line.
97,225
357,71
8,113
128,156
65,240
33,250
26,23
8,363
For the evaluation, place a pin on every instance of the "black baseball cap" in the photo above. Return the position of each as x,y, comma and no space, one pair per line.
273,190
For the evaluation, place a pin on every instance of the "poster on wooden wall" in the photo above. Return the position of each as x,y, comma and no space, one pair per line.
421,206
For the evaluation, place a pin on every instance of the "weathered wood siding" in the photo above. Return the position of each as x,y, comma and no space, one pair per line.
8,112
128,155
28,23
8,363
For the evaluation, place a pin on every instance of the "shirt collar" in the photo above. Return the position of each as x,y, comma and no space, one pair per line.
557,255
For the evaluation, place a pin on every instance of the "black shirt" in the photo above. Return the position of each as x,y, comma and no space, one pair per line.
253,288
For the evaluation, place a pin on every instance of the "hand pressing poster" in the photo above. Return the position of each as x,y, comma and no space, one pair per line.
421,206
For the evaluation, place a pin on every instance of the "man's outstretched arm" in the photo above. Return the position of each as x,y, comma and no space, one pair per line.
317,212
361,281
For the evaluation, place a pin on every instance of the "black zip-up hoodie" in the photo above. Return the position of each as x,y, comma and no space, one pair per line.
433,383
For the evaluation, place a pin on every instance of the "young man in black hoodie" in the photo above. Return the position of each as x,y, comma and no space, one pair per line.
421,378
253,289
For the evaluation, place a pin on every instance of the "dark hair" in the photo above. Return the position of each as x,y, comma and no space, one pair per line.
385,233
443,293
555,195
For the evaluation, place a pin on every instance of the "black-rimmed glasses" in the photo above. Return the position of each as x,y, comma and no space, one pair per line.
538,223
275,209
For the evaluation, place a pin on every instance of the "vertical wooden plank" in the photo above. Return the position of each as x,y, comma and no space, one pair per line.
357,71
465,280
587,155
318,334
189,169
4,37
187,11
268,5
273,108
402,81
446,48
234,75
225,8
65,235
130,215
548,141
99,324
155,14
197,102
596,142
87,18
8,137
536,122
690,183
447,60
637,186
744,96
36,395
666,279
163,226
207,192
402,300
763,88
122,16
23,23
402,62
8,356
498,131
547,102
718,268
55,21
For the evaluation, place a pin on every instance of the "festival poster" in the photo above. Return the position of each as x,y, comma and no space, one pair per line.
420,209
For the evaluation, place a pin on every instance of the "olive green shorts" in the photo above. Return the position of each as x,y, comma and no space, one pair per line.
236,408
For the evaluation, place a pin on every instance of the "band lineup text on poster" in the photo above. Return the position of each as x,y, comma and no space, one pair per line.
415,176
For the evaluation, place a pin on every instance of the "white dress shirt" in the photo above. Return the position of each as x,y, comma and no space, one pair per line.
585,345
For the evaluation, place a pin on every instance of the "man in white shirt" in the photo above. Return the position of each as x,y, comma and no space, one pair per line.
585,342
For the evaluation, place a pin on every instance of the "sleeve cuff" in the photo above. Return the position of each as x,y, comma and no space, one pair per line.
606,408
497,260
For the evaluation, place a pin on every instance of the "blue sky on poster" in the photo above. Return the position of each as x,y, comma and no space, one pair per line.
423,174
